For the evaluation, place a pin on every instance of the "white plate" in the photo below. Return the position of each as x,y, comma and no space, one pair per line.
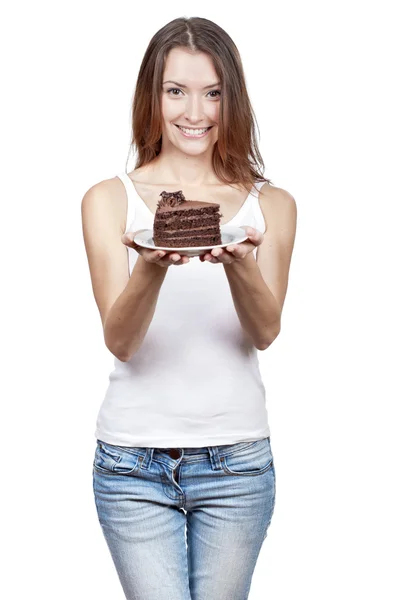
229,235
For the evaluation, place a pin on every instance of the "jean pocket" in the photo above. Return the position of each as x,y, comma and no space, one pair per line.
115,460
255,459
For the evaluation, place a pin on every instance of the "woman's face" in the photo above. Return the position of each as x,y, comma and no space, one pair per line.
190,99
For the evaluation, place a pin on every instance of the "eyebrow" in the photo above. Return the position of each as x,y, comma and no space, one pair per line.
185,86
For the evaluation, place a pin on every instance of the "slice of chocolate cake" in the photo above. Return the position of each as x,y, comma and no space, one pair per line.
180,223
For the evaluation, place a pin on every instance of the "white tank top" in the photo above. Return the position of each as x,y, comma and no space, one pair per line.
195,380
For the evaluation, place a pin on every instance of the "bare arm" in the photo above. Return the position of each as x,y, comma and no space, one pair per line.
116,294
259,285
130,316
126,303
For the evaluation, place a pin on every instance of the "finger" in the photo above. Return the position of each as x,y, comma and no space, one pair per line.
175,258
155,257
221,256
235,251
208,257
255,236
127,239
182,261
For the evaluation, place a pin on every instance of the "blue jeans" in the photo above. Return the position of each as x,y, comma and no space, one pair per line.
185,523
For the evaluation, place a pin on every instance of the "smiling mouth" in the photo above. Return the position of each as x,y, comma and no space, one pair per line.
191,128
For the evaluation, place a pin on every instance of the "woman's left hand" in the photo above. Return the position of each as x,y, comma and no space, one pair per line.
235,252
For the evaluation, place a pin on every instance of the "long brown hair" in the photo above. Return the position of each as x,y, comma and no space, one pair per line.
236,158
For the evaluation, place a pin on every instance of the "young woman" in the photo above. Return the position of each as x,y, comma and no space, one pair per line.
183,473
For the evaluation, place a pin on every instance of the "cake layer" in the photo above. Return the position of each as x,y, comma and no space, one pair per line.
194,206
182,242
186,223
194,214
187,232
190,213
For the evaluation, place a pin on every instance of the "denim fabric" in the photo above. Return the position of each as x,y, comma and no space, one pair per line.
185,523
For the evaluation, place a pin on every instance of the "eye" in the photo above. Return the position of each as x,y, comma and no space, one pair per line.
174,90
215,91
178,90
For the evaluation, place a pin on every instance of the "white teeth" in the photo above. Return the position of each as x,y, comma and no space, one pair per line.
193,131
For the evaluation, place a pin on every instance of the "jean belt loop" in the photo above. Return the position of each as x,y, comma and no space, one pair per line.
215,458
148,458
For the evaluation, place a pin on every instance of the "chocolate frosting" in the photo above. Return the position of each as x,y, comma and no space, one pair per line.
171,199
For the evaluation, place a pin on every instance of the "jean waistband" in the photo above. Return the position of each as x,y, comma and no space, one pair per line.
175,456
205,450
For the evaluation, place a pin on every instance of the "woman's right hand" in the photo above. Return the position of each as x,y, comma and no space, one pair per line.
162,258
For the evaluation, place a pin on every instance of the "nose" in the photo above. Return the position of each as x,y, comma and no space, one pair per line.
193,110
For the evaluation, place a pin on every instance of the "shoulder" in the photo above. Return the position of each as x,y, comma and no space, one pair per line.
272,195
108,196
276,202
105,189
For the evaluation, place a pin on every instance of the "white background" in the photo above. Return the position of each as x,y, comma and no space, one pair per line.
323,80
